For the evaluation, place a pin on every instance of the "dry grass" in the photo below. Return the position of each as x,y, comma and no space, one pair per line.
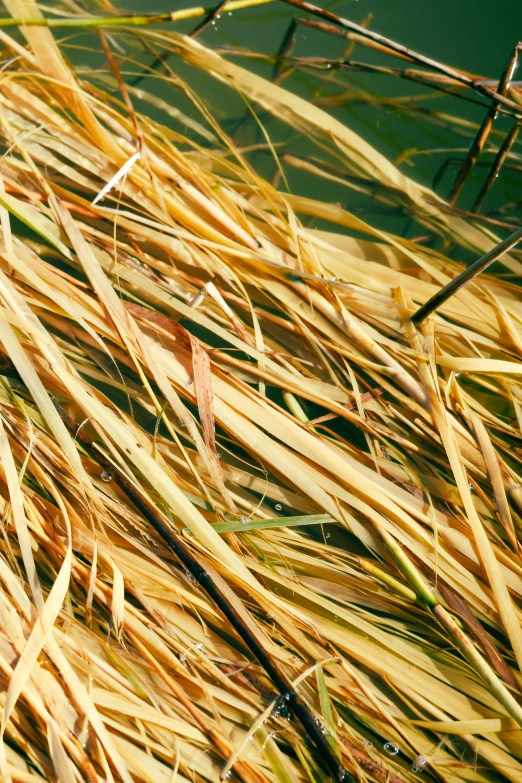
191,325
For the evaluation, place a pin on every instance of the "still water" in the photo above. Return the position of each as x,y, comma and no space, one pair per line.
409,123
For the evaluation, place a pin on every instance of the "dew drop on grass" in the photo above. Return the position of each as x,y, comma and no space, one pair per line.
419,764
278,507
390,748
106,476
229,13
244,520
269,737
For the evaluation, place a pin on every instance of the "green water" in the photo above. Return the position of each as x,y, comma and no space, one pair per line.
473,35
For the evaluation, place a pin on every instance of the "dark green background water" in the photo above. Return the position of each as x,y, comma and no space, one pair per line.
475,35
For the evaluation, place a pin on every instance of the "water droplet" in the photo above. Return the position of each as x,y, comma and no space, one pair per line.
106,476
327,535
278,507
367,743
244,520
218,16
328,65
229,13
219,454
216,30
282,707
269,737
390,748
213,22
419,764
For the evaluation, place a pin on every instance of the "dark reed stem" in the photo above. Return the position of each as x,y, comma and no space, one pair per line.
499,161
423,78
483,133
286,48
398,48
450,161
209,18
408,74
473,217
468,274
155,64
287,694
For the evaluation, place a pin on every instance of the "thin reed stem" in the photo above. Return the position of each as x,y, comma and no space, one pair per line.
287,693
464,278
208,19
485,129
398,48
498,163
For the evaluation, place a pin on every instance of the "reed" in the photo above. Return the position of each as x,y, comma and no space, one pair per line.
261,481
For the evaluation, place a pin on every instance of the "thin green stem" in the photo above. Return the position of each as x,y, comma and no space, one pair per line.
456,634
130,20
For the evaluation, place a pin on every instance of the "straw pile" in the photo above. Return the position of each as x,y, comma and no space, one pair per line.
351,483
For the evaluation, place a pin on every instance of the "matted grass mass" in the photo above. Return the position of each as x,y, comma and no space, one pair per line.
352,484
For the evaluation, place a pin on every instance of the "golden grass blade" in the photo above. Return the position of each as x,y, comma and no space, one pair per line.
250,378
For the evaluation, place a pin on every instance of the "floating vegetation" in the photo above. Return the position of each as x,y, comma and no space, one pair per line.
242,364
